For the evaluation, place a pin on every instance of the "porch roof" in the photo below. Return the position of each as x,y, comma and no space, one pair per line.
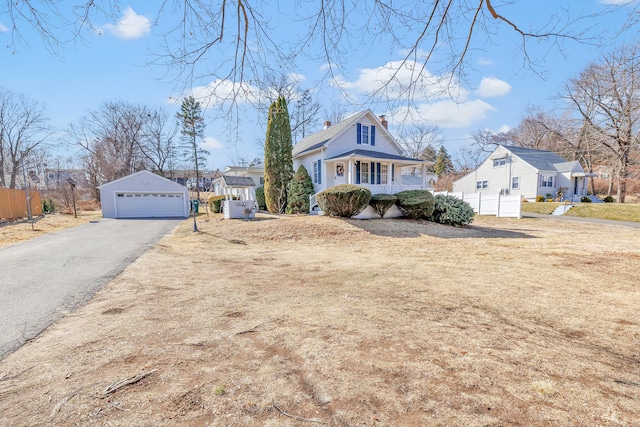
238,181
358,154
583,174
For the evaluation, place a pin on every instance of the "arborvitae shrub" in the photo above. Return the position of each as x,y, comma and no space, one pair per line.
416,203
298,192
262,203
382,202
345,200
450,210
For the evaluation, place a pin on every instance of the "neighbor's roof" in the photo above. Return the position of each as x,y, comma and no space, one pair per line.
542,159
238,181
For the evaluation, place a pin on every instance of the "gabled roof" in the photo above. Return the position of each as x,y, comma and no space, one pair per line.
238,181
150,175
541,159
324,137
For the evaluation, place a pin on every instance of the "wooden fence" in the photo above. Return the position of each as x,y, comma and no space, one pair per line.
13,203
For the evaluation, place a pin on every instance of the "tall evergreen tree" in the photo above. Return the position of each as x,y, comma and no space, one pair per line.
443,164
300,188
191,121
278,162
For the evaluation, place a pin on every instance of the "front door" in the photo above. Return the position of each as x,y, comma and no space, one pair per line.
339,173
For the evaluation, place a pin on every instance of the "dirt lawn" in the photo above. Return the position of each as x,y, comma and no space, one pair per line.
298,321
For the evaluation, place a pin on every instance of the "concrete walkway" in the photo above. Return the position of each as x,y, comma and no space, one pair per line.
44,278
579,219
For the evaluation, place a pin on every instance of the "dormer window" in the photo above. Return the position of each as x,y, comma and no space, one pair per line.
365,134
498,163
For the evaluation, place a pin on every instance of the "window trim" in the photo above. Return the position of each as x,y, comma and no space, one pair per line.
500,163
482,185
517,183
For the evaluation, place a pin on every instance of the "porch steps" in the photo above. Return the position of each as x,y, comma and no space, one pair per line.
562,209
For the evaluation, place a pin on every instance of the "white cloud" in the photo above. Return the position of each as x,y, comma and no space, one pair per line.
447,113
617,2
3,28
130,26
220,91
396,78
485,62
209,143
492,87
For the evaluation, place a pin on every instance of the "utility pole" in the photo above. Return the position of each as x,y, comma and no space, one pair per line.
26,192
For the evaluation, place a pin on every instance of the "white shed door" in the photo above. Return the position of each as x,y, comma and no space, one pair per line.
149,205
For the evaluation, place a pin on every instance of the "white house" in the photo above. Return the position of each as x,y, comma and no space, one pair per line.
144,195
255,172
358,150
526,172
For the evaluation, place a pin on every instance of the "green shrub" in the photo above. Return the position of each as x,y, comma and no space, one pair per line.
47,206
416,203
609,199
382,202
260,199
214,203
345,200
585,199
540,198
450,210
298,192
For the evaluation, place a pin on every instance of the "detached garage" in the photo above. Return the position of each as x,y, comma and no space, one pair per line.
144,195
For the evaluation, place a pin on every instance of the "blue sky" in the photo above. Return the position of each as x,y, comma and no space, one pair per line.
112,66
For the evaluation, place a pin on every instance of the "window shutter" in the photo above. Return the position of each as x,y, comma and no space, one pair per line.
358,171
373,173
393,172
378,172
359,133
373,136
319,171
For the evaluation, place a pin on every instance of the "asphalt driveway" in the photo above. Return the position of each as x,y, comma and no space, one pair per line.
44,278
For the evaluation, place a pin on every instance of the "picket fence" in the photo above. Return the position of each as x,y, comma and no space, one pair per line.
13,203
490,204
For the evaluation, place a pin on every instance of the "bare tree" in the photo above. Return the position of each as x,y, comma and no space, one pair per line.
23,129
158,142
606,95
419,142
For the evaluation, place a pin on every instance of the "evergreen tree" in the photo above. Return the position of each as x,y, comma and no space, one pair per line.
300,188
278,162
443,164
192,126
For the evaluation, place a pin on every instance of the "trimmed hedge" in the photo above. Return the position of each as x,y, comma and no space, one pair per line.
585,199
382,202
609,199
344,200
215,205
260,199
450,210
416,203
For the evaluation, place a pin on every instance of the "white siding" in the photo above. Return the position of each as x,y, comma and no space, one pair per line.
347,141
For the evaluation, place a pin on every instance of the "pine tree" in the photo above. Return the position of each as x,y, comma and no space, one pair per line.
300,188
278,162
443,164
192,122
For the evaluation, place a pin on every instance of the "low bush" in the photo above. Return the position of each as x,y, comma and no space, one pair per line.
48,206
260,199
416,203
585,199
345,200
609,199
382,202
540,198
215,205
451,210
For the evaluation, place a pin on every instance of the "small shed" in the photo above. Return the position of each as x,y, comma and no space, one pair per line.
144,195
243,188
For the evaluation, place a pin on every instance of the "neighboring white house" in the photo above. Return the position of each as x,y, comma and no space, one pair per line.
526,172
144,195
359,150
255,172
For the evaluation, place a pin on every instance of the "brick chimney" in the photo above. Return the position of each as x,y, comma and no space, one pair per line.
384,122
327,124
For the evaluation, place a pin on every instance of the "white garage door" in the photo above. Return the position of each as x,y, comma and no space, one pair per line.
149,205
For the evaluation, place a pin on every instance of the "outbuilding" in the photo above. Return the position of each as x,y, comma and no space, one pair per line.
144,195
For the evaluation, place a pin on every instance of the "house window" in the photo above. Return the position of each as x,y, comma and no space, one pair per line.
261,180
364,173
515,183
480,185
315,172
384,174
365,135
546,181
497,163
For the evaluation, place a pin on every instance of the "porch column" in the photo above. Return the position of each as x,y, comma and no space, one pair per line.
423,171
350,173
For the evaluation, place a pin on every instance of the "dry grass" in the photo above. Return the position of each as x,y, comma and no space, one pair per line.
322,321
19,231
